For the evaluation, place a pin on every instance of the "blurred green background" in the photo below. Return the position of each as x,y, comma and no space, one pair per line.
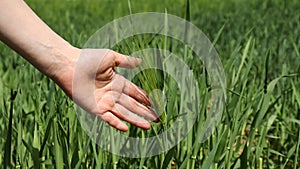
258,43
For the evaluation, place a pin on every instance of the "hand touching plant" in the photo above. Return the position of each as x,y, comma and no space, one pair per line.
102,91
87,76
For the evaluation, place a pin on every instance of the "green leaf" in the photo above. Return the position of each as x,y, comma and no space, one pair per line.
222,146
8,147
244,157
46,136
34,152
296,93
297,150
168,158
57,148
243,59
36,141
75,156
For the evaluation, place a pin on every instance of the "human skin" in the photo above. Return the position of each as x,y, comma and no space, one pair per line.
23,31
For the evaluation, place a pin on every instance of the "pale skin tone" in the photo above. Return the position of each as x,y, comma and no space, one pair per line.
22,30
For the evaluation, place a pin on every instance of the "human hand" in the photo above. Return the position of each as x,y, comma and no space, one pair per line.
97,87
102,91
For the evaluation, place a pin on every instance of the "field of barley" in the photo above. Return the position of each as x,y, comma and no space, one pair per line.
258,43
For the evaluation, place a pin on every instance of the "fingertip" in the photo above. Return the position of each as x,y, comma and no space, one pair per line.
155,117
139,61
156,120
122,127
147,126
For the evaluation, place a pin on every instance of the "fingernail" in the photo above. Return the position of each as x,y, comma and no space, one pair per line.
155,117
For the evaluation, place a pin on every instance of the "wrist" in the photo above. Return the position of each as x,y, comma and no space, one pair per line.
61,71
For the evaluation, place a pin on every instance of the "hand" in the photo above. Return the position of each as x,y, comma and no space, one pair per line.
97,87
102,91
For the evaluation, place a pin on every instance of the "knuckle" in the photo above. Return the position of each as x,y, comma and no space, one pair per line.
115,96
133,103
106,104
110,53
112,122
106,117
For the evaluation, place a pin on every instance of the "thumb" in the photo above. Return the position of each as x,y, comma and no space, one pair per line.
126,61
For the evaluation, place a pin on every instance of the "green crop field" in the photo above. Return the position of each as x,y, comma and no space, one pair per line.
258,43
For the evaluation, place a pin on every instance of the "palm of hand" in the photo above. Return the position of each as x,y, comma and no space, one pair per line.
102,91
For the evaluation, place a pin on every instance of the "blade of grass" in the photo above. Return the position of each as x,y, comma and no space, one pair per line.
168,157
8,147
243,59
46,136
34,152
209,161
297,150
188,18
57,147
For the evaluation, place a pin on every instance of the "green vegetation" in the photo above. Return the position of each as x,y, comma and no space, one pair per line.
258,43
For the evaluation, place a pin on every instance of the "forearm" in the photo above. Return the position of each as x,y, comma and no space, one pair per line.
27,34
